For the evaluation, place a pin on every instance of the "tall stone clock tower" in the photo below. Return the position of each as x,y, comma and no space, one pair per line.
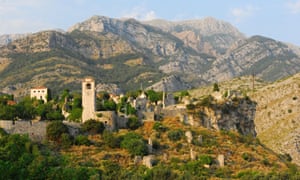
88,99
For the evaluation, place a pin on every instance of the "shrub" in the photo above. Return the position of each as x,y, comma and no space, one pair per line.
247,157
184,93
133,123
190,106
161,172
216,87
66,141
2,132
134,144
224,172
158,126
110,140
205,159
82,140
55,130
92,127
175,135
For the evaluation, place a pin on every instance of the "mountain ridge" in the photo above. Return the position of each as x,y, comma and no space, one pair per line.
127,52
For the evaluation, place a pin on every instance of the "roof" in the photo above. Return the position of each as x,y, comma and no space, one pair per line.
39,87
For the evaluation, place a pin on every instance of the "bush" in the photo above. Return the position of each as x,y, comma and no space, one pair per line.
224,172
175,135
159,127
161,172
133,123
110,140
190,106
216,87
134,144
93,127
2,132
82,140
55,130
205,159
66,140
247,157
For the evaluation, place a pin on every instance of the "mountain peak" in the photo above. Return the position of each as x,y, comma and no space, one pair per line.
95,23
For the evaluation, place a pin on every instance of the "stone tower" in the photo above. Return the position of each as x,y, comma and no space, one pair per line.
88,99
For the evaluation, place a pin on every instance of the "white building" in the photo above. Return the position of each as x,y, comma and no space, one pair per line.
40,93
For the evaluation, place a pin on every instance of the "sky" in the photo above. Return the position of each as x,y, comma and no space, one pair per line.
277,19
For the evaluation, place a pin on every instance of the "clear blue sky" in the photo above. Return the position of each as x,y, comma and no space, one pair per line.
277,19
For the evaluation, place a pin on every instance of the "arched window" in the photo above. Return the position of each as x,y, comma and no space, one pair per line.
88,86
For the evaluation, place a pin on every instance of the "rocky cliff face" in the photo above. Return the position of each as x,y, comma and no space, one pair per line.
232,113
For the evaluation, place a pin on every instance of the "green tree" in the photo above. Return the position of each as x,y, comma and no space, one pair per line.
110,139
154,96
216,87
158,126
133,123
75,114
66,141
93,127
175,135
161,172
25,109
82,140
134,144
55,129
8,112
184,93
47,112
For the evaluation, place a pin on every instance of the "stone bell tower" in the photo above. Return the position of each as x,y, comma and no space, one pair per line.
88,99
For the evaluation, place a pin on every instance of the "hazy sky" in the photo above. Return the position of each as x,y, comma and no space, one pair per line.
278,19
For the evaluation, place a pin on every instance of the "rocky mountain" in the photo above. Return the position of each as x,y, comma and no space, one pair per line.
7,38
264,57
129,53
206,35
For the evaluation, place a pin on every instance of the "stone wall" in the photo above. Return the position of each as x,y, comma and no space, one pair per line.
109,119
35,130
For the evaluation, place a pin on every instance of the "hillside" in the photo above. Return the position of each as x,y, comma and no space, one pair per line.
129,54
277,111
277,117
177,152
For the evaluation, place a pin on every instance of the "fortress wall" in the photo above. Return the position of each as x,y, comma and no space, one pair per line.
35,130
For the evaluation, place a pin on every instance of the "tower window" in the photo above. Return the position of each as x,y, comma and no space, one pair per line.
88,86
